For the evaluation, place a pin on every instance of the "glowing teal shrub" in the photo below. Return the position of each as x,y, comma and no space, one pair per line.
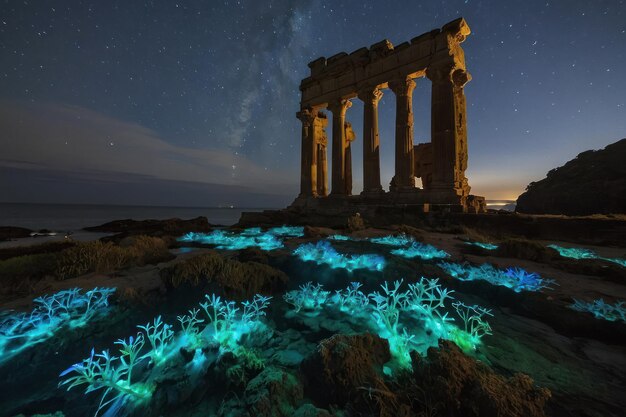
394,312
579,253
323,253
287,231
232,241
126,381
515,278
352,298
487,246
602,310
65,309
340,238
308,297
420,250
391,240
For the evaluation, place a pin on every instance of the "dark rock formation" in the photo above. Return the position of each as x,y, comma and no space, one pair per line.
458,385
346,369
592,183
9,232
273,393
169,227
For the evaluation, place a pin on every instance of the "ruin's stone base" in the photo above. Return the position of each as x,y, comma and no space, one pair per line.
384,209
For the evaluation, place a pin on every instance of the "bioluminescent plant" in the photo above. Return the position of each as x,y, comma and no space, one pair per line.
601,309
474,326
427,298
64,309
309,297
516,279
323,253
159,334
580,253
232,241
127,381
340,238
420,250
112,375
287,231
393,240
221,316
352,298
483,245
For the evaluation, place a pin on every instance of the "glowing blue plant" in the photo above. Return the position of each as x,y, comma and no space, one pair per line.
308,297
340,238
420,250
64,309
112,375
602,310
287,231
159,334
352,298
427,298
515,278
474,326
232,241
487,246
392,240
127,381
580,253
323,253
255,309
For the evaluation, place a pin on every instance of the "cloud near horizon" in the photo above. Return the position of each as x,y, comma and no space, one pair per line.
84,144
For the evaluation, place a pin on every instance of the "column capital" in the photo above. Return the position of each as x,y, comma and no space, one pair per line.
448,73
307,115
339,106
370,95
402,86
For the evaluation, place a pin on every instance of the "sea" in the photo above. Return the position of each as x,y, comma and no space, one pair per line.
74,217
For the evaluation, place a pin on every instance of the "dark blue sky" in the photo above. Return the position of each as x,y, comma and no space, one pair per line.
166,102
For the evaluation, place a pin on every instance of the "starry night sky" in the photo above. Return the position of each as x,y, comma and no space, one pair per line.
193,103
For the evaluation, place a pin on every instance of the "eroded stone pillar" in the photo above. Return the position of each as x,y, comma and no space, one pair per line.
338,109
371,141
448,129
322,164
350,137
404,178
308,158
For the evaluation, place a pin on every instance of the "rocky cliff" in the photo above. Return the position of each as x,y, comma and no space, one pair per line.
592,183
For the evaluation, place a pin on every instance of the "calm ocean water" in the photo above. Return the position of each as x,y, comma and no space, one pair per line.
73,217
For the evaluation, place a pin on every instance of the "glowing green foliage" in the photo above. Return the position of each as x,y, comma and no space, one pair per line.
127,382
65,309
232,241
159,334
352,298
515,278
602,310
290,231
323,253
580,253
308,297
420,250
474,326
483,245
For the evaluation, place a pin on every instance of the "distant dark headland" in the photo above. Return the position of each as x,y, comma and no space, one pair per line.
592,183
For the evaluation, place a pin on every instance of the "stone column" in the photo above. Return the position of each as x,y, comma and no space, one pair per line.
338,108
404,178
308,159
448,129
371,141
322,165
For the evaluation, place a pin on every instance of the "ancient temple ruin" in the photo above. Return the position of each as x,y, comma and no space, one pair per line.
364,74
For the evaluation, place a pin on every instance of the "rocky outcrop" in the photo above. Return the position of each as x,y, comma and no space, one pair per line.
458,385
168,227
592,183
347,368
